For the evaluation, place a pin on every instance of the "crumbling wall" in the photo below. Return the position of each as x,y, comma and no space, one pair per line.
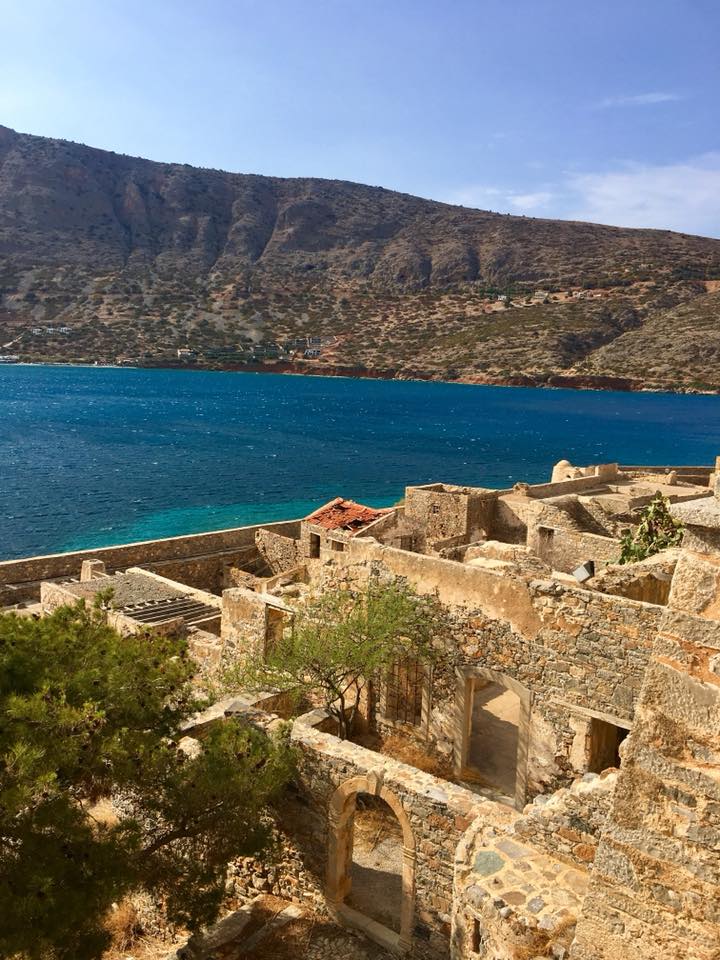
579,653
438,512
243,627
511,518
566,549
587,659
655,890
279,552
648,580
568,823
512,900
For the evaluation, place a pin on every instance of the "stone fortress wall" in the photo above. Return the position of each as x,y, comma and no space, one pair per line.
199,559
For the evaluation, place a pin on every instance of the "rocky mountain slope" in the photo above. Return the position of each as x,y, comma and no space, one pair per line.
107,257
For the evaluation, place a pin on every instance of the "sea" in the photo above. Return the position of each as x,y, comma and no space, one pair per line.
94,456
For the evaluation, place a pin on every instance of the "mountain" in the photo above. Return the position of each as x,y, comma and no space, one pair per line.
104,256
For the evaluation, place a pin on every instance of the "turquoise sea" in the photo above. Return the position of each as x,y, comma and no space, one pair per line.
92,456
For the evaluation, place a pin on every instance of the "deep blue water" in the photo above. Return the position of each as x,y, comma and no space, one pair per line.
93,456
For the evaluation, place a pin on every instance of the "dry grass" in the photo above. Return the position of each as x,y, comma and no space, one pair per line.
375,822
417,754
124,926
130,937
541,942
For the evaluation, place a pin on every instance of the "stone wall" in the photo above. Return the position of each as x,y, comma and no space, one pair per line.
198,560
648,580
579,654
438,512
244,624
586,661
580,646
655,890
566,549
436,813
279,552
568,823
511,900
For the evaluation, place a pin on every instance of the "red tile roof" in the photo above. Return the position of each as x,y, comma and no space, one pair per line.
342,514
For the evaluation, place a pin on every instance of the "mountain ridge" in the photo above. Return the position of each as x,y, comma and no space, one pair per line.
140,259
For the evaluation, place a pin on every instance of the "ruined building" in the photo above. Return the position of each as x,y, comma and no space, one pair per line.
573,809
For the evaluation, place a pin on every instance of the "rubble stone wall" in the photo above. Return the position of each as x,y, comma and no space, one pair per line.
197,560
243,626
655,890
280,552
438,813
565,549
578,652
439,513
568,823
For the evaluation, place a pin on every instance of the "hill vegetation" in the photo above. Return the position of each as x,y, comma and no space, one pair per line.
108,257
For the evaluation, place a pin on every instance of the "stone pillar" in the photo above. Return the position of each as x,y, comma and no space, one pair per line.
91,569
407,910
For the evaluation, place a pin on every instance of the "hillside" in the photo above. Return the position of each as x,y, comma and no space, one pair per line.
107,257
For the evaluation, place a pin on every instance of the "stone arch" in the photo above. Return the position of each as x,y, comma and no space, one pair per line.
340,850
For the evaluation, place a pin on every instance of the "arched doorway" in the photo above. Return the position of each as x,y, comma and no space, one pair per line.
341,869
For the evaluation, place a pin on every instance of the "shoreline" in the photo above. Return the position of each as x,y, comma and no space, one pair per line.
303,369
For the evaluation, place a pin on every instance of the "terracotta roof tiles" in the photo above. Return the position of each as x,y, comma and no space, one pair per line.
342,514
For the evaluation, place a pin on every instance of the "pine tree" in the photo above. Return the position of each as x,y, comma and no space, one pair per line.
86,714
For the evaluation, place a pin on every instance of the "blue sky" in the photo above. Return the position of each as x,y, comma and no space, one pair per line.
583,109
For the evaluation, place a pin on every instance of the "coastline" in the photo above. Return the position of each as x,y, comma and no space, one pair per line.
558,381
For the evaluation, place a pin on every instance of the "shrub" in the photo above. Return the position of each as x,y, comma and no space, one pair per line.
657,530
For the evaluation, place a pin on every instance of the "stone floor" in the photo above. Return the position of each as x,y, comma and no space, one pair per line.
269,928
524,882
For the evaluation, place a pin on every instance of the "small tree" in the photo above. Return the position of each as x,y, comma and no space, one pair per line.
343,640
87,714
657,530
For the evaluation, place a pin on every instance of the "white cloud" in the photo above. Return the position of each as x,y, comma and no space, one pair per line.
530,201
639,100
475,195
681,196
494,198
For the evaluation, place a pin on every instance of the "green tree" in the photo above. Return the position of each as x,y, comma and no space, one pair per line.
343,640
657,530
86,714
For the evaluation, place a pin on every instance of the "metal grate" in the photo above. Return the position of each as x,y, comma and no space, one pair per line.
404,692
192,611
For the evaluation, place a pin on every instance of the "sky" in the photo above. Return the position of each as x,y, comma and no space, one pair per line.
602,110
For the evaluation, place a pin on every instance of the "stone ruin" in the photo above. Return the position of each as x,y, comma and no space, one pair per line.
573,809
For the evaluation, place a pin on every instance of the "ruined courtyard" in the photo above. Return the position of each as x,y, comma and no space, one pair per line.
551,788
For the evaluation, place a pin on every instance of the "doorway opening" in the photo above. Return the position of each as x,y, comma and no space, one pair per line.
371,862
376,866
604,747
494,734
